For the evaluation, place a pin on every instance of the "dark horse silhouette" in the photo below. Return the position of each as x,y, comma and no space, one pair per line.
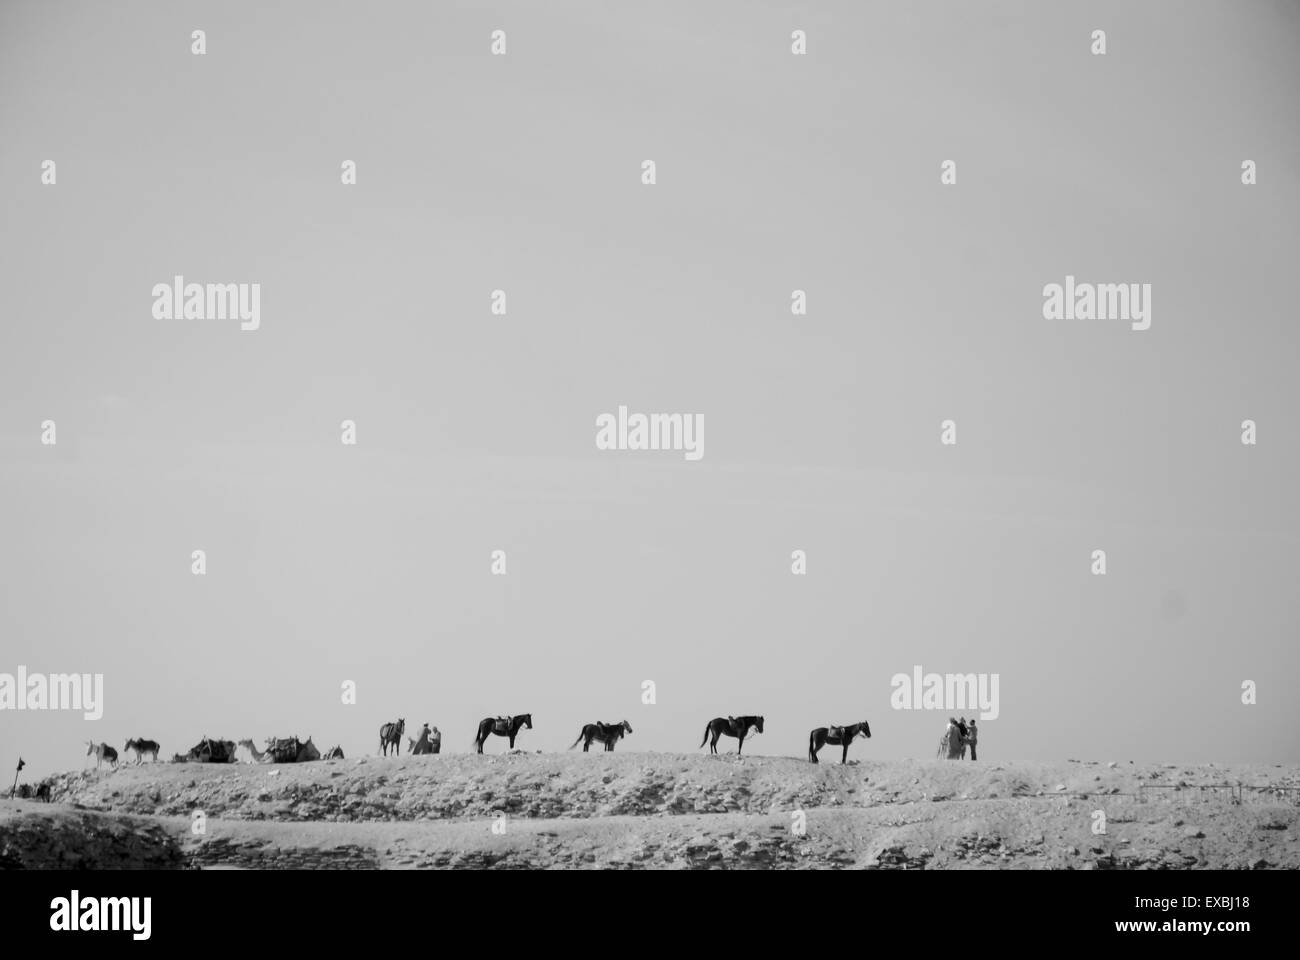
502,727
737,727
845,735
606,733
390,735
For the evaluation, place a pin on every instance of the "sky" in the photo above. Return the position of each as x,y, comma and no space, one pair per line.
371,563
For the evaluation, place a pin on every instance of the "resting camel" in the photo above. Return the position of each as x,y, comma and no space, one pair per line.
501,727
291,750
836,735
606,733
259,756
737,727
334,753
210,751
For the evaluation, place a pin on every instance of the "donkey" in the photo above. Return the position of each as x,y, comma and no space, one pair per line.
606,733
390,735
737,727
837,735
502,727
101,752
142,747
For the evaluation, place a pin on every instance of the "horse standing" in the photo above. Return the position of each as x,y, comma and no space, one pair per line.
606,733
102,752
142,748
836,735
390,734
737,727
501,727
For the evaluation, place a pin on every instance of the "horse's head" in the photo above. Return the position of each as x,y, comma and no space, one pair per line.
758,724
127,746
627,726
401,725
527,718
90,749
866,730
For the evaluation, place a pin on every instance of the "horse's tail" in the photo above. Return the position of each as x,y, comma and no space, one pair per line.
812,738
707,728
578,741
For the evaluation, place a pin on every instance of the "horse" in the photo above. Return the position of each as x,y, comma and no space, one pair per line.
606,733
952,745
390,734
102,752
737,727
502,727
141,748
838,735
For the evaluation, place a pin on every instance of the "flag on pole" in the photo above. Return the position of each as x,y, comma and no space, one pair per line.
20,763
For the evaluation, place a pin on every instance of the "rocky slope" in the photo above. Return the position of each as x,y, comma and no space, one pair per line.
640,810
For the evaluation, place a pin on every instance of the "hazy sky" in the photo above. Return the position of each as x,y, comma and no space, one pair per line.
371,563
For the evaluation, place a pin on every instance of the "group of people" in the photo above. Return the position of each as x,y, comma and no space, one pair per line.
960,734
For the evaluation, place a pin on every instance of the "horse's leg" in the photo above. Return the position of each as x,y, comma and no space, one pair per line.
845,758
741,745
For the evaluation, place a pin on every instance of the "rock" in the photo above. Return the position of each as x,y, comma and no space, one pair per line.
1112,764
1192,833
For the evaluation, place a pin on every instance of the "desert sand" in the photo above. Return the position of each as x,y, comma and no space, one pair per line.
661,811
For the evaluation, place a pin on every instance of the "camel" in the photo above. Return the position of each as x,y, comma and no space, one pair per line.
390,735
334,753
211,751
501,727
606,733
258,756
142,747
952,745
102,752
836,735
737,727
291,750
